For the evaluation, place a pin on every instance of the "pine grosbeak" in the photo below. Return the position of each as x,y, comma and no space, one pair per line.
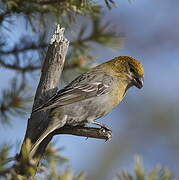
92,95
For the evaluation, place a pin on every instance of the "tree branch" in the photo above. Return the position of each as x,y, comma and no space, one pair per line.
85,131
19,68
16,50
51,71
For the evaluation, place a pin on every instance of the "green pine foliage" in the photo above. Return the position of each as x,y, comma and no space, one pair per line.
140,173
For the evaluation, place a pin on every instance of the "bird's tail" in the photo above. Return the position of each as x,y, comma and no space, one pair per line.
40,139
52,127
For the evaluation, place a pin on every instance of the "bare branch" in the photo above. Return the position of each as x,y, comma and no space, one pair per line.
28,47
51,71
90,132
19,68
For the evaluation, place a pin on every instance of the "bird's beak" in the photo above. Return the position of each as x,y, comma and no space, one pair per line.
138,82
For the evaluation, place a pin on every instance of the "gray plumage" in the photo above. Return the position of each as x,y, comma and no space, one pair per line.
75,105
91,95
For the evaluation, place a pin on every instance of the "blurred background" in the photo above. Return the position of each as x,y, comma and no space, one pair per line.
146,122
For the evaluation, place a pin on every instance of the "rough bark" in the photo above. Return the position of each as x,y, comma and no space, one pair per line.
50,75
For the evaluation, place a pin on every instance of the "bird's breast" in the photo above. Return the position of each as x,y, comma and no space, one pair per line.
118,93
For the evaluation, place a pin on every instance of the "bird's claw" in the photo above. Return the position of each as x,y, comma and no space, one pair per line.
105,128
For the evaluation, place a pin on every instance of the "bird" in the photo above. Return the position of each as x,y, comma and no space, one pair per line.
91,95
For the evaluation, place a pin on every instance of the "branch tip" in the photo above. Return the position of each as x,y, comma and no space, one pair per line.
58,35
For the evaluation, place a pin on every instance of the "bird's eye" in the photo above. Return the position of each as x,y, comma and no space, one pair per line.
132,70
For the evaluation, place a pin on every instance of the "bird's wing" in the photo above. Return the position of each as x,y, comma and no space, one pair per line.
83,87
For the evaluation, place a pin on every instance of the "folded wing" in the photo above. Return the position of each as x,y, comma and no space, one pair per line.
80,89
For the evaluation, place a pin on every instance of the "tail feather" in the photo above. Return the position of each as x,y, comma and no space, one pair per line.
56,124
40,139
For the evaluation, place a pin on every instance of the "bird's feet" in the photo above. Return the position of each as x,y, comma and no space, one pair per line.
105,127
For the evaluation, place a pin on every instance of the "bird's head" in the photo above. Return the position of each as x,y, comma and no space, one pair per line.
129,69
